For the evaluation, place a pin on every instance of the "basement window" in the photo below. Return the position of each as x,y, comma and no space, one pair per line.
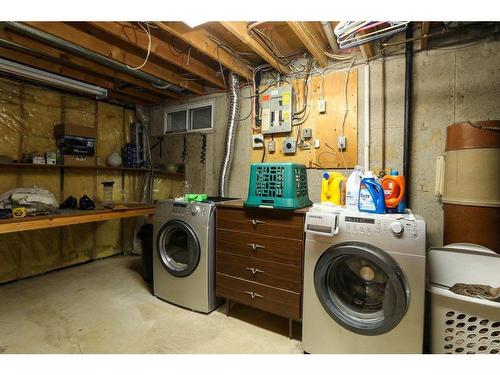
190,117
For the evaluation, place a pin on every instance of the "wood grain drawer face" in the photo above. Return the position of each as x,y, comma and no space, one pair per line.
261,271
262,221
273,300
274,249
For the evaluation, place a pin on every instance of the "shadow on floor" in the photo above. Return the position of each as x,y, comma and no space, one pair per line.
136,266
262,319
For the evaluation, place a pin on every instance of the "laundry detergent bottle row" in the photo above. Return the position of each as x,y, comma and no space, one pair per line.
352,188
371,195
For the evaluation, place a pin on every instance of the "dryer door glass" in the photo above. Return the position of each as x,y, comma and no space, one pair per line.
362,288
178,248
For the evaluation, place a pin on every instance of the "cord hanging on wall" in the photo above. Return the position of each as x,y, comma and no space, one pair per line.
184,151
203,149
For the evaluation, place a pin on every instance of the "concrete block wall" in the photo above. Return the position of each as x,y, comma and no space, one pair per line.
449,85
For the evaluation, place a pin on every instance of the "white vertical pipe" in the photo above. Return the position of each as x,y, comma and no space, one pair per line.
330,36
367,118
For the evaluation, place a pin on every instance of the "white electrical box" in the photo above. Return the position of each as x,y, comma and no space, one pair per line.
276,105
271,146
321,105
341,142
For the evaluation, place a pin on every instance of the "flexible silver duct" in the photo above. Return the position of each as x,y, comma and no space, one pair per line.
87,54
232,123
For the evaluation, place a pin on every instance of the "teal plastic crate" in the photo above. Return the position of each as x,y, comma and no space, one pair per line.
278,185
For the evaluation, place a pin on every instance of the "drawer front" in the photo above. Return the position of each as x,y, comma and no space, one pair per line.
273,300
274,249
261,271
262,221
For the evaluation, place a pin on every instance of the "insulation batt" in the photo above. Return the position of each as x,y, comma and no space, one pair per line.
28,196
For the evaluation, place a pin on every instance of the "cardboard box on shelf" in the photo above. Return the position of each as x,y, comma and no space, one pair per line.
78,161
61,130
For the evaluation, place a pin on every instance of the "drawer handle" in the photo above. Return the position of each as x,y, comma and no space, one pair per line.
253,294
254,270
255,246
255,222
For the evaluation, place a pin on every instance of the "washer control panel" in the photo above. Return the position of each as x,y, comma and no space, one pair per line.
369,227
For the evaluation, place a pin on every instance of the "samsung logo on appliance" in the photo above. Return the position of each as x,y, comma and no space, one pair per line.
316,217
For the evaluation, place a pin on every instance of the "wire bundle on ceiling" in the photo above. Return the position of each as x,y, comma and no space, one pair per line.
355,33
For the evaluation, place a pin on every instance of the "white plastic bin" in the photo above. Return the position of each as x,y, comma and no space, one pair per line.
461,324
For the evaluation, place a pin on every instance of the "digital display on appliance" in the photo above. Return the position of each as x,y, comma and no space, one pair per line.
363,220
177,204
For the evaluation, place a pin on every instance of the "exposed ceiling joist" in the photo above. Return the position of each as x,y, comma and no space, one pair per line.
200,39
52,67
304,32
425,31
80,63
239,30
367,50
96,45
160,49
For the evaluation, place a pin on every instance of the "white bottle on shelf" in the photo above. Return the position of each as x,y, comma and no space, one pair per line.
352,188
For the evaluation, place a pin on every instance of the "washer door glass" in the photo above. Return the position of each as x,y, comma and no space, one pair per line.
178,248
362,288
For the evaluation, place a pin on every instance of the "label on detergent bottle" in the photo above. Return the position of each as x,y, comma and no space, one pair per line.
365,199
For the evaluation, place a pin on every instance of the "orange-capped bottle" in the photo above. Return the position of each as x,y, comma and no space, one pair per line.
394,189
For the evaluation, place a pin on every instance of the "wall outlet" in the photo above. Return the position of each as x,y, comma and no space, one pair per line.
317,143
256,143
321,105
341,142
271,146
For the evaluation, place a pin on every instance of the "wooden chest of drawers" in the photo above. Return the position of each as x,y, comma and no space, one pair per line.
259,258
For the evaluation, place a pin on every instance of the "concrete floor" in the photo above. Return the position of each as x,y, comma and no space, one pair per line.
106,307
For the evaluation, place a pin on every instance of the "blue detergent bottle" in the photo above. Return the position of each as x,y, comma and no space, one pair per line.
371,195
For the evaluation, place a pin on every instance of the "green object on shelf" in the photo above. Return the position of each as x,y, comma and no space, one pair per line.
195,197
278,185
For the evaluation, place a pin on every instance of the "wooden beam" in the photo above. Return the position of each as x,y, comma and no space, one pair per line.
96,45
306,35
161,49
200,39
239,30
80,63
367,50
425,31
52,67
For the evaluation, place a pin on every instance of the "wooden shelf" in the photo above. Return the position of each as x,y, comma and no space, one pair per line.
91,167
73,218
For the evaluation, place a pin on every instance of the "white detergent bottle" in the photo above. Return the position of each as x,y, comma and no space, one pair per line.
352,188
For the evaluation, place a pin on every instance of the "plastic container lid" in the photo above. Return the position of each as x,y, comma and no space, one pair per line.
463,263
326,176
394,173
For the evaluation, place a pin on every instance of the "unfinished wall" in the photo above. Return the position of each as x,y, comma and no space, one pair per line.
27,116
449,85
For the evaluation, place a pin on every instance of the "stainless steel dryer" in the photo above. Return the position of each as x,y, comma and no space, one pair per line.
184,254
364,283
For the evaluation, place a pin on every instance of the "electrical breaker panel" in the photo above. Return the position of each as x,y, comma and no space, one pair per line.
277,110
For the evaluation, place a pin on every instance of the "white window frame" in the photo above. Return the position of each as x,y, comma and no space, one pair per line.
187,107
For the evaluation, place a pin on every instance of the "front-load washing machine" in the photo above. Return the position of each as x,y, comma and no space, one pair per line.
364,283
184,254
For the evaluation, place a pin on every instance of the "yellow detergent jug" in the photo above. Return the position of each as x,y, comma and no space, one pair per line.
333,188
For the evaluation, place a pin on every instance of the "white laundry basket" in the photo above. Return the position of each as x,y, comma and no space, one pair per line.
461,324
